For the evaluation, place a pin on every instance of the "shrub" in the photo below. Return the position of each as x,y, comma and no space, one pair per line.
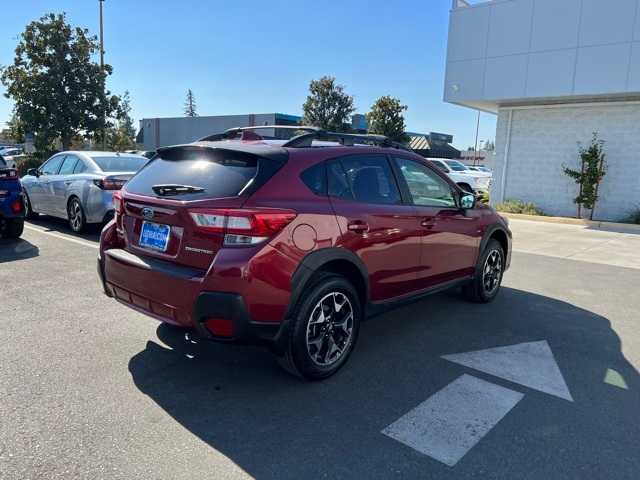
633,217
26,162
518,206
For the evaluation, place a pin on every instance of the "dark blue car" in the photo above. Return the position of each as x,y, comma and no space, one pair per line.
11,202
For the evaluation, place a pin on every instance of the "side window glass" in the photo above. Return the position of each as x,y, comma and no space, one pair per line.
371,179
51,167
337,179
315,178
68,165
80,167
426,187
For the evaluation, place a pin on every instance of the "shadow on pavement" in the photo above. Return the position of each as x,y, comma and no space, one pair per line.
59,225
17,249
273,425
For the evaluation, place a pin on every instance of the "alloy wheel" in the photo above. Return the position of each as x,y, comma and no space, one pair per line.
330,329
75,215
492,272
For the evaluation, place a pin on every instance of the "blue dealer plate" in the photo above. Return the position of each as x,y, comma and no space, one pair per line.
154,236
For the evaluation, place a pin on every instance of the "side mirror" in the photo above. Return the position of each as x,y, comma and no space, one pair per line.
33,172
467,201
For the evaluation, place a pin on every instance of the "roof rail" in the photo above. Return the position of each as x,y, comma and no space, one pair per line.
233,132
306,139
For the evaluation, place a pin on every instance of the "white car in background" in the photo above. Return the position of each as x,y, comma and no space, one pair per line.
468,180
11,154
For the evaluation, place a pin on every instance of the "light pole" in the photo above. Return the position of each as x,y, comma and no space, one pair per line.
475,151
104,85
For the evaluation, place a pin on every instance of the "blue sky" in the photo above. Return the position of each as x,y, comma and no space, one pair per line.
258,56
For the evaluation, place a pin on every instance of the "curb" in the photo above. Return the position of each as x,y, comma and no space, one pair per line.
595,224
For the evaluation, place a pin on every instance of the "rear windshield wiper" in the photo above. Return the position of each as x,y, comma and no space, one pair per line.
173,189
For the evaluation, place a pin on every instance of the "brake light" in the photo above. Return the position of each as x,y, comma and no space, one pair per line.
109,183
242,227
9,174
16,206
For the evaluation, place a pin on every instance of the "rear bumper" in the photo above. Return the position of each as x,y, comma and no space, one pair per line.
141,284
99,205
231,307
6,213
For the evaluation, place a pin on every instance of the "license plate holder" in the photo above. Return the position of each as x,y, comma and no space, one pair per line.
154,236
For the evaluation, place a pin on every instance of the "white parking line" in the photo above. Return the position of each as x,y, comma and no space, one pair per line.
449,423
62,237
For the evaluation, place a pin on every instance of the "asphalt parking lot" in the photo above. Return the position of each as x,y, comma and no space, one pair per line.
90,389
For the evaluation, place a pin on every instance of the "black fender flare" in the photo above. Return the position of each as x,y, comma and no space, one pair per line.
491,229
314,261
300,279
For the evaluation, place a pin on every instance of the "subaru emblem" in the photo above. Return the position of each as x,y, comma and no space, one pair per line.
147,213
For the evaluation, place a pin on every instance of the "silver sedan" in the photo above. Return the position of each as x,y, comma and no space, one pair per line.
79,185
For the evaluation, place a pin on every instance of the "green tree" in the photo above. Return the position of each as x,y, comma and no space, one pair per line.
57,89
190,105
592,171
125,122
15,129
328,106
385,118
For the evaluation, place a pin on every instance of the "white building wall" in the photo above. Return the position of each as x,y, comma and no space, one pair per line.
530,51
543,139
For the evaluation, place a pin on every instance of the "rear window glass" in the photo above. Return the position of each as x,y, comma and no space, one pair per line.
220,173
120,163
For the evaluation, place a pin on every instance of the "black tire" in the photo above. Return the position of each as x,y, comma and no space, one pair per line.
14,228
302,358
29,213
466,187
76,216
483,289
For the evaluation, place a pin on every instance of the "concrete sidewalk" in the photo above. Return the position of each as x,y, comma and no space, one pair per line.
576,242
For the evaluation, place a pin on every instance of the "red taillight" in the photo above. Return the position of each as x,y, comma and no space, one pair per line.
220,327
242,227
109,183
9,174
16,206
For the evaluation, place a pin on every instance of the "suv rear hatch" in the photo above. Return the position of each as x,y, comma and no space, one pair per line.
172,209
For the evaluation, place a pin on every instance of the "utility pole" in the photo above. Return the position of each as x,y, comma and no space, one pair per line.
104,112
475,159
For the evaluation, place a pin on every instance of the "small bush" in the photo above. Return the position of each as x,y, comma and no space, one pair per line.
518,206
25,163
634,217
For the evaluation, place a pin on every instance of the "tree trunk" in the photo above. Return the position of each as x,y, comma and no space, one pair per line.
66,142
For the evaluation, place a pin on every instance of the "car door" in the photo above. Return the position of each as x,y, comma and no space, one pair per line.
450,235
375,223
61,184
41,193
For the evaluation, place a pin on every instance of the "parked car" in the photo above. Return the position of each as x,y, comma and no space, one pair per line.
11,155
469,181
292,244
11,202
479,168
144,153
79,185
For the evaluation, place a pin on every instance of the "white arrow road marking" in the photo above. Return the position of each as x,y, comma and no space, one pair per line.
529,364
449,423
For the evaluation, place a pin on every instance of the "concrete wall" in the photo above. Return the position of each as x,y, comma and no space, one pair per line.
520,50
545,138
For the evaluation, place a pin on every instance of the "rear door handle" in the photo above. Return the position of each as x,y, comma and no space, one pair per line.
358,227
67,182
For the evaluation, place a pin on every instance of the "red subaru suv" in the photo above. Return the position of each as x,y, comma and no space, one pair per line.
293,243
